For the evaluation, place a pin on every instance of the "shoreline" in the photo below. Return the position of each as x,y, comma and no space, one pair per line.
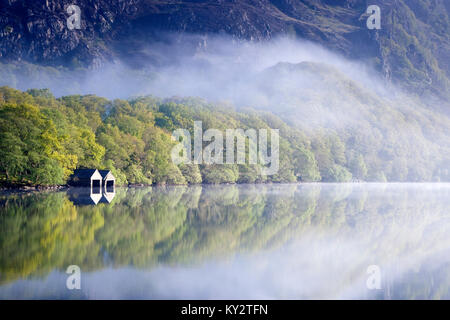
29,189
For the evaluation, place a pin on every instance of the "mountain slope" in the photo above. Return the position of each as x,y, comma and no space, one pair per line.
412,47
395,134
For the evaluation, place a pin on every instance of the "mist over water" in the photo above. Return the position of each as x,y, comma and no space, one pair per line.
340,120
236,242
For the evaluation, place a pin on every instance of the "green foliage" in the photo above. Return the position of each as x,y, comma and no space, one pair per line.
44,139
337,173
214,173
358,167
305,165
250,174
191,173
29,148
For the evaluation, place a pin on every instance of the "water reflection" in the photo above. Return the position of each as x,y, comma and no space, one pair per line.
91,196
263,241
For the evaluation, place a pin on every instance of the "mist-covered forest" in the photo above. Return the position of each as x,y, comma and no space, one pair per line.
43,139
359,92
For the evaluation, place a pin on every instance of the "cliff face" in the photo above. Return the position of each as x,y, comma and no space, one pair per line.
412,47
36,30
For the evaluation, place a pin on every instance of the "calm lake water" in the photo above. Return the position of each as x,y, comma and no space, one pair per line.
298,241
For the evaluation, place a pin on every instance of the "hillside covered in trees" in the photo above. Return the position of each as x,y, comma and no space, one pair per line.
43,139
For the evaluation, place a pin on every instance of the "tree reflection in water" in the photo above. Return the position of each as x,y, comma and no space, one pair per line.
322,235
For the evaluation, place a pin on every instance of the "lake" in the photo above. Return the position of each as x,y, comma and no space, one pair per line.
287,241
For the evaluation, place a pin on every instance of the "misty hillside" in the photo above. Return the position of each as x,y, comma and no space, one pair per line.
320,100
43,139
412,47
351,104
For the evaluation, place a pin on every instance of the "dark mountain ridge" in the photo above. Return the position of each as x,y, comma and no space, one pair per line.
411,48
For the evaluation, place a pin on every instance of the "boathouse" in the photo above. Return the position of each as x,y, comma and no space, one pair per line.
109,182
94,186
89,178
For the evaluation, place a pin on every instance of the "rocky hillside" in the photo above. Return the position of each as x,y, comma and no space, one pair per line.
411,48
